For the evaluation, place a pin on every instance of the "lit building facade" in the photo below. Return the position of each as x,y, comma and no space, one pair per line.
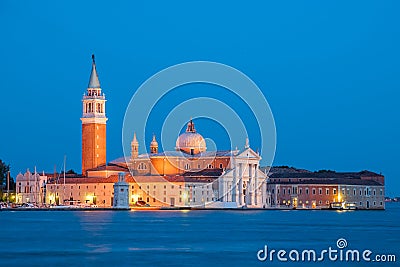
226,179
31,187
304,189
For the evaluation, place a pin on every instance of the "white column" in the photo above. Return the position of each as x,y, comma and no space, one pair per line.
263,193
256,188
240,184
250,186
226,193
221,189
234,184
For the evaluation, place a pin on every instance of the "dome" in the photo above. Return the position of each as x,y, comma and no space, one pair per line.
191,142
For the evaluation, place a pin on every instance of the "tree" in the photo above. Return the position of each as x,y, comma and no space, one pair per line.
4,169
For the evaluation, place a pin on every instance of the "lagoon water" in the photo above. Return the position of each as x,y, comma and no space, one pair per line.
190,238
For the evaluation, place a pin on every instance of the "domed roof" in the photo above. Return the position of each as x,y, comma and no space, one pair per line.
191,142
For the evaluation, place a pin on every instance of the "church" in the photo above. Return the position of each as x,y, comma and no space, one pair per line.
189,176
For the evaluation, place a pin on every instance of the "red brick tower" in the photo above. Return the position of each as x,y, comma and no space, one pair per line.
94,123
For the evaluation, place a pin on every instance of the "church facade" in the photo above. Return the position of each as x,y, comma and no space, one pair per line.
187,176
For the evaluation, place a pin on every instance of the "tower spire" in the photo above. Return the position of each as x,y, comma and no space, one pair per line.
134,147
94,124
247,145
94,78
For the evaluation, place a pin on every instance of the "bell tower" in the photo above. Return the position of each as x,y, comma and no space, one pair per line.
154,145
94,123
134,147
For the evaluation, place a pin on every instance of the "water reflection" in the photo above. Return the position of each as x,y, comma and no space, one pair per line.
178,238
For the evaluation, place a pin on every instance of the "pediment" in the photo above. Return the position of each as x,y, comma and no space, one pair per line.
248,153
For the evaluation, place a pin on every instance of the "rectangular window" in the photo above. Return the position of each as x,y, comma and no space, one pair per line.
313,191
334,191
307,192
327,191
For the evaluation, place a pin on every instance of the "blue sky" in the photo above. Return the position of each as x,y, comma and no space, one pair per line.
329,70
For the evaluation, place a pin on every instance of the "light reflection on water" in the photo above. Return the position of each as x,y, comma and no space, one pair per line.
194,238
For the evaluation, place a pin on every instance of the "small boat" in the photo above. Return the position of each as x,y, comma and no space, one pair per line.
343,206
350,206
